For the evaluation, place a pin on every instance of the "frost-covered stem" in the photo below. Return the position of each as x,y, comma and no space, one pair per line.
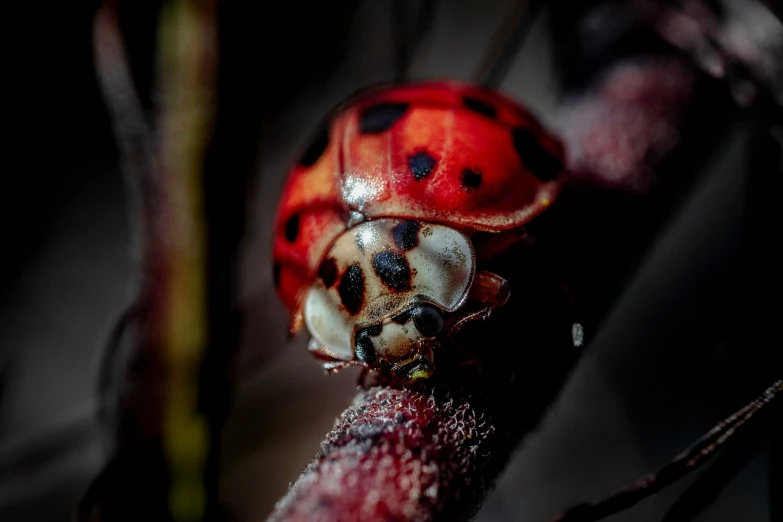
400,454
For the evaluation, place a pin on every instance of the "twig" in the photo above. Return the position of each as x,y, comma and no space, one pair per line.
137,144
683,464
408,32
507,42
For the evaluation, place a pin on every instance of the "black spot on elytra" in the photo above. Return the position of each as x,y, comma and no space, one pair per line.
292,228
351,289
328,272
421,164
379,117
365,350
276,274
406,234
538,160
316,148
393,270
480,106
374,330
470,179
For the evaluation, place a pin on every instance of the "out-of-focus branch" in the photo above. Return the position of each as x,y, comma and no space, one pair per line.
507,42
134,135
741,44
141,166
619,131
187,76
160,437
633,117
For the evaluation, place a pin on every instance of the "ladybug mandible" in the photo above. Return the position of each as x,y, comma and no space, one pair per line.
388,215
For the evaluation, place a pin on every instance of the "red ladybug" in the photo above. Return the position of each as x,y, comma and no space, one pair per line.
387,217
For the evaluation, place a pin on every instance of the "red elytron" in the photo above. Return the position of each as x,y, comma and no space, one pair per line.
429,170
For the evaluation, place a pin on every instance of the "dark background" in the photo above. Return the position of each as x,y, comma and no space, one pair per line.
693,333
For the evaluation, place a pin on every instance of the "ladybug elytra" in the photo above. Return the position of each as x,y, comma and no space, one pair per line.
387,217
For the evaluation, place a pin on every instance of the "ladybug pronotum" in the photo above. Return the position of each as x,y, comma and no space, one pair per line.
386,219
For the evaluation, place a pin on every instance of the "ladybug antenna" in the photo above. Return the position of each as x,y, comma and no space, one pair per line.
507,42
687,461
409,31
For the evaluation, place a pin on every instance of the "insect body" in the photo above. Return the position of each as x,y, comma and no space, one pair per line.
388,215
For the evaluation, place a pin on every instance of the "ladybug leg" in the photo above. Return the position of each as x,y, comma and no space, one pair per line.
296,326
489,289
488,292
328,361
492,245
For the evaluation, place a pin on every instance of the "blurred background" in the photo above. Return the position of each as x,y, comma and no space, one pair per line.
690,331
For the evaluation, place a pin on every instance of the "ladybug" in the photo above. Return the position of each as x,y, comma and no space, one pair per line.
388,215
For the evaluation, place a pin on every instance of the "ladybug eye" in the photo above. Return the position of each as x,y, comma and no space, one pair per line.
428,320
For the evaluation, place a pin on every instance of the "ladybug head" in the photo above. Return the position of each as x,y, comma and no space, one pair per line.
384,291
